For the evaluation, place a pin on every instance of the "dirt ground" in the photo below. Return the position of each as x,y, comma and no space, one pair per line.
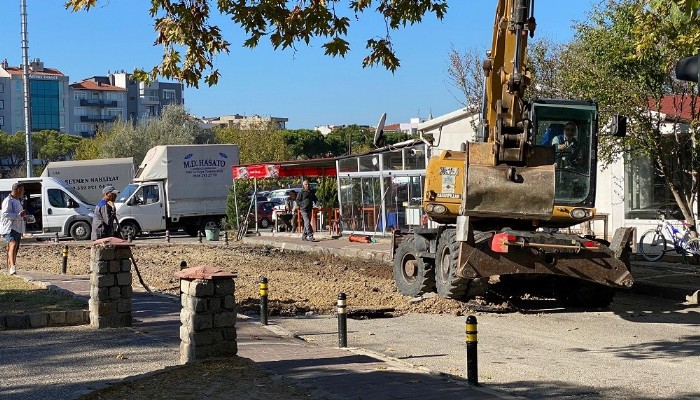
299,283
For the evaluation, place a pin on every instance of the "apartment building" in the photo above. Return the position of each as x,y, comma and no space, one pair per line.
94,104
243,122
146,100
49,98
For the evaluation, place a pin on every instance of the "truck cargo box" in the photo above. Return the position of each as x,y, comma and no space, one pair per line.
89,177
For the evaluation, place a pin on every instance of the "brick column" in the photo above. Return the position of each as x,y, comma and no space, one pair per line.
110,284
208,313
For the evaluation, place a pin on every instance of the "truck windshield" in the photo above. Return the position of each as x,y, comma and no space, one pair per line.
126,193
569,130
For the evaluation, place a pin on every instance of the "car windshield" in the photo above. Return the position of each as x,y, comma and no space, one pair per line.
126,193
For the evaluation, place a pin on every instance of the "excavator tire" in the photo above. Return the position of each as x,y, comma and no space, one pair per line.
447,283
412,275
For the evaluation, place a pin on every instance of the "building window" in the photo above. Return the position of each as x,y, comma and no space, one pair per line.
646,190
2,120
2,104
169,95
2,88
81,128
114,112
78,111
45,105
79,95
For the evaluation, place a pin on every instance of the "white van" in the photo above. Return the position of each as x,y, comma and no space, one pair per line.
58,208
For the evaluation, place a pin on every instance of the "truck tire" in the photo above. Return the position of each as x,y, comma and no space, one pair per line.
412,275
129,228
80,230
447,283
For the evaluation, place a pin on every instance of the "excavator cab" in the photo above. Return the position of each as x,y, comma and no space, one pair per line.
569,129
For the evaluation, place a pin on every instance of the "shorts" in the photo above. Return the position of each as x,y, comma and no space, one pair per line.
13,235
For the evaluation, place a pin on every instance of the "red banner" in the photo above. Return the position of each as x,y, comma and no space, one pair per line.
256,171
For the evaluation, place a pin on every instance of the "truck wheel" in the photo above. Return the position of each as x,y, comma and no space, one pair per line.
80,231
412,275
447,283
129,229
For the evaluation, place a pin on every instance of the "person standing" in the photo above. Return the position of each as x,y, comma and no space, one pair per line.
12,224
306,200
291,207
105,218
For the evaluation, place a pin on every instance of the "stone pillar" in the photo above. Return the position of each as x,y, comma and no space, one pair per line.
208,314
110,284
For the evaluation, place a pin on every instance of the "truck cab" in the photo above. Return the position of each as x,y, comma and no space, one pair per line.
55,206
141,208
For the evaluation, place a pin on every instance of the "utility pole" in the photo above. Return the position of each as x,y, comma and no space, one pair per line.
27,94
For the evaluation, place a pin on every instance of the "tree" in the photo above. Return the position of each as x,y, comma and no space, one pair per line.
305,143
12,150
173,127
259,142
465,73
357,138
185,25
604,62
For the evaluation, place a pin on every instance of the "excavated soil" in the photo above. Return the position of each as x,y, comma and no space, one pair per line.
299,283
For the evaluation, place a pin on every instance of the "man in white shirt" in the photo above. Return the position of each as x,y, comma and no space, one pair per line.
12,224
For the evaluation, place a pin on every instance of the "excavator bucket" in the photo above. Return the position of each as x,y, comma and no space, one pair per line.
505,191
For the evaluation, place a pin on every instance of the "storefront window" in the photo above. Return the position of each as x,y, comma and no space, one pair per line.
348,165
369,162
415,157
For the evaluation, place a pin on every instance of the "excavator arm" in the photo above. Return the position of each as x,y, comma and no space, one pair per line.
506,75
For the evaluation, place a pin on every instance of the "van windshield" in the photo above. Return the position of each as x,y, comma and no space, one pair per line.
126,193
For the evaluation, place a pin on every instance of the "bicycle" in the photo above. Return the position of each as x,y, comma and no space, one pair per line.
653,244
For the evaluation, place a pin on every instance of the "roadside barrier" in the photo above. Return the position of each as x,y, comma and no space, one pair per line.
342,321
226,238
263,300
167,236
64,266
199,236
56,239
472,365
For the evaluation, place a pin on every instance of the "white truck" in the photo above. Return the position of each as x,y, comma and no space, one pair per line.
89,177
55,206
178,187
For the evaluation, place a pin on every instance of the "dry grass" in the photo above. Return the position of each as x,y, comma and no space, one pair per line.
18,296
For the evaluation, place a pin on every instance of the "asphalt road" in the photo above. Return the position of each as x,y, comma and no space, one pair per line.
642,348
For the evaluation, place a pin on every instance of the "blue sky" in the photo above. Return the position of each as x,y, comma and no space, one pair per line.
303,85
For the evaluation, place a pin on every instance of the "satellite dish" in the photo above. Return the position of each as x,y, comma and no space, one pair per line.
379,132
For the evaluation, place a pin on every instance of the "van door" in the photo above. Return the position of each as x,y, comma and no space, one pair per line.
58,206
146,207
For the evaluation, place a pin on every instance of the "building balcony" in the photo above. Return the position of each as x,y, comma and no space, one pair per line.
97,118
97,103
149,99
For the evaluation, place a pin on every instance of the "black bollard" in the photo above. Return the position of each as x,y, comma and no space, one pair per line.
199,236
472,365
167,236
130,237
226,238
64,266
56,239
263,300
342,321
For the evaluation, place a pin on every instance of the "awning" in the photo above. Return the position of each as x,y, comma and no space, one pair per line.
307,168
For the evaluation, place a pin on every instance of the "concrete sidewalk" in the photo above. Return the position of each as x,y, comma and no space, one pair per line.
673,281
331,373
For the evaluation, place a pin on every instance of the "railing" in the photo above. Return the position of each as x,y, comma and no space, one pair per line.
97,103
97,118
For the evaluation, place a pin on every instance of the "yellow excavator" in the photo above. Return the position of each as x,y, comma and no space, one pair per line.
498,206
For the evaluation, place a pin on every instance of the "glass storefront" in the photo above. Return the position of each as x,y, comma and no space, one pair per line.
380,192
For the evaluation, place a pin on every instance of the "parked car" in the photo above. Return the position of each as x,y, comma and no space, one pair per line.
265,209
282,194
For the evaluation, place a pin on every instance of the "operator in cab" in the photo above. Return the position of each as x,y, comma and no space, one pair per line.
567,147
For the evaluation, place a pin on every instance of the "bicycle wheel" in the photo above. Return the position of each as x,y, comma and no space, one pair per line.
652,245
692,249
